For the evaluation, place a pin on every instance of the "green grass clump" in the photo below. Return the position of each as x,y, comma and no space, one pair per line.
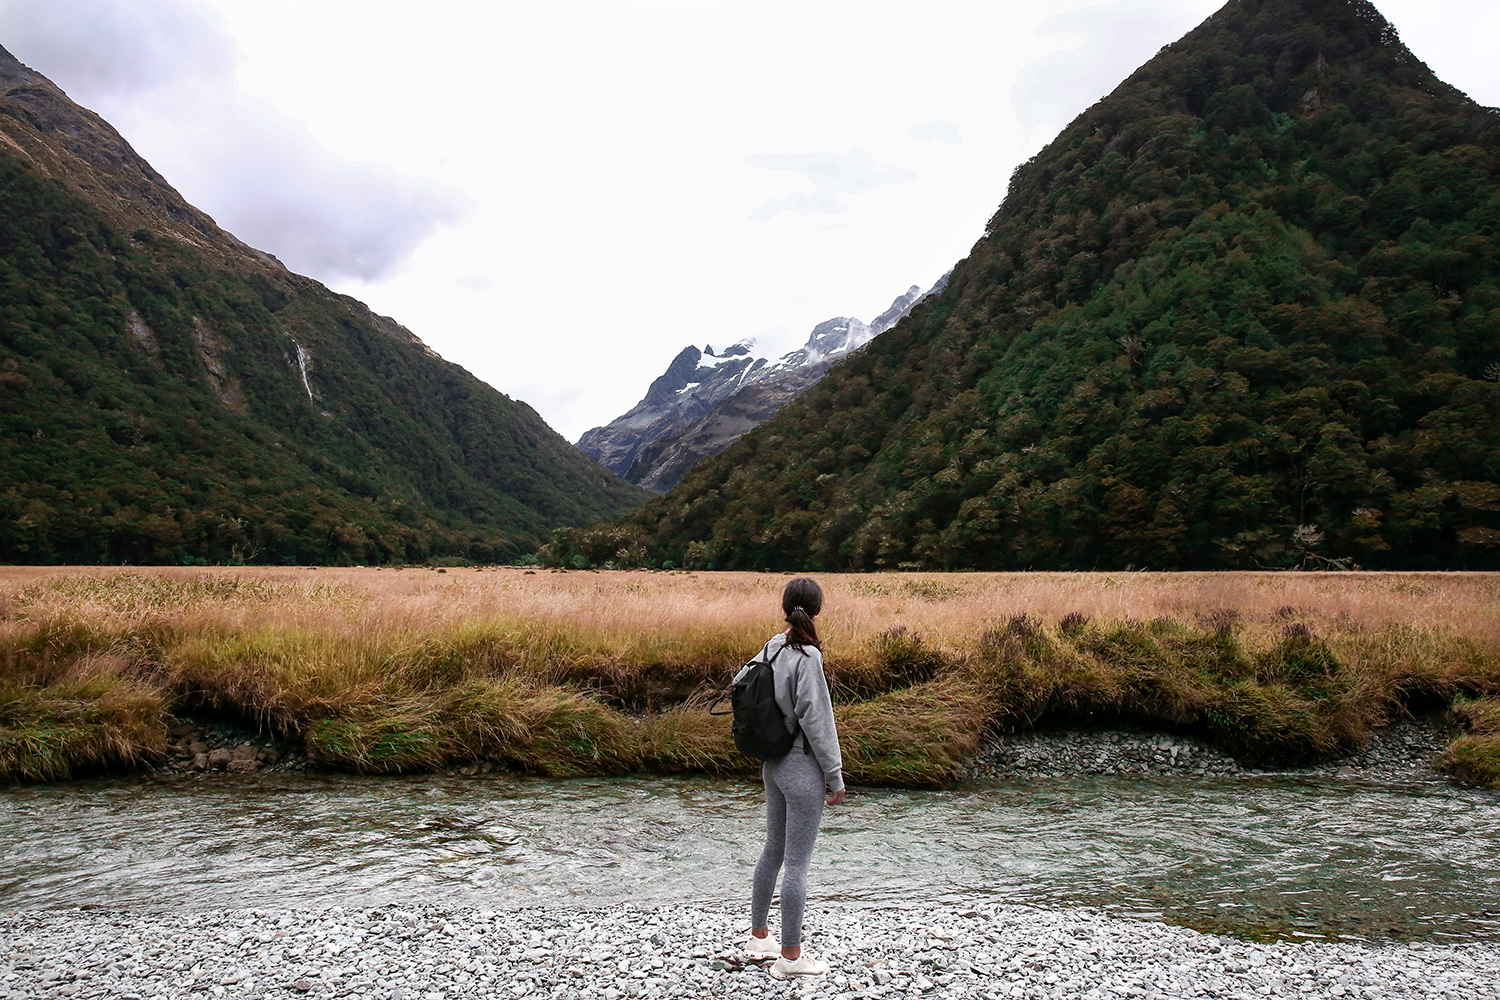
376,742
917,737
89,717
395,702
895,658
535,728
688,740
1285,706
1474,757
1265,724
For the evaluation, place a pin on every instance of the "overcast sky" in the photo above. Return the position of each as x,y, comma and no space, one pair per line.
559,195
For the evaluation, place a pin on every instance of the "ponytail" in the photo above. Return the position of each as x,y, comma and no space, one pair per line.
801,601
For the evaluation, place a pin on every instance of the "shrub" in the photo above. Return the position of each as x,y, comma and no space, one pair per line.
1072,623
903,659
1300,659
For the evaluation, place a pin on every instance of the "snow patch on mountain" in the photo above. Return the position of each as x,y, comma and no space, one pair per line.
699,380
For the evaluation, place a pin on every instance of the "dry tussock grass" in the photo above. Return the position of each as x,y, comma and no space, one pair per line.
660,615
59,721
415,669
1475,756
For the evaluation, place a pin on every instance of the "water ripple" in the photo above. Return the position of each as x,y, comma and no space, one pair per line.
1266,856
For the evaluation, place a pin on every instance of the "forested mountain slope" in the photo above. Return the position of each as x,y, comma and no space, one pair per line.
168,393
1245,311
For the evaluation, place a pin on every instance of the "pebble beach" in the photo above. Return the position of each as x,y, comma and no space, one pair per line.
433,953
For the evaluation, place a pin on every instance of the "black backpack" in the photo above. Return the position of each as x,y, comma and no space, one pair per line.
759,725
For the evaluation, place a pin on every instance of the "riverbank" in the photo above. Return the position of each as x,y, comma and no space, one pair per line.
1412,749
570,674
438,953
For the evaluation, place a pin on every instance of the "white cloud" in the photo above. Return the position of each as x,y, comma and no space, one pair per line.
937,131
831,174
276,188
163,72
1115,40
107,49
473,282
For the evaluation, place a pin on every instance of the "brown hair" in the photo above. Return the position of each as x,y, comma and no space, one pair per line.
802,599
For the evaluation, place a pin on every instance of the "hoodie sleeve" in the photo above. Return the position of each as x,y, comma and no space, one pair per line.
814,710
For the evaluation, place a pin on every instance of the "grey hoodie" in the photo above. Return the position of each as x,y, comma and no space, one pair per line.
802,696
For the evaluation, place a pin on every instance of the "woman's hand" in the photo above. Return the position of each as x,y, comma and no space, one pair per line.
837,798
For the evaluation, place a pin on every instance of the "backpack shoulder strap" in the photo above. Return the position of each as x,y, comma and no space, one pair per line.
725,693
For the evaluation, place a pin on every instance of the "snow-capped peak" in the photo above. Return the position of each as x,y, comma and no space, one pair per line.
696,381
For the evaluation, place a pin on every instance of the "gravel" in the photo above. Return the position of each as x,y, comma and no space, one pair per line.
436,953
206,746
1402,751
1405,750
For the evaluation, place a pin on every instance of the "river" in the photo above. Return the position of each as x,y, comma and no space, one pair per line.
1263,856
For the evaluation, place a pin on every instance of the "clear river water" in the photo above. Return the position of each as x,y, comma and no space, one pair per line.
1264,856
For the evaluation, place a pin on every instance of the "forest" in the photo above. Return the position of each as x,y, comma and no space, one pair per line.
159,408
1242,313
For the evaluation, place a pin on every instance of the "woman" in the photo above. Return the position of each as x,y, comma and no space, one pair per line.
795,783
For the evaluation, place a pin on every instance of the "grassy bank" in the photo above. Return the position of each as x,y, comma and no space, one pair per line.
1474,757
606,673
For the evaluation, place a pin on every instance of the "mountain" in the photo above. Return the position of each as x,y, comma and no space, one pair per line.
169,394
692,383
704,401
1243,312
659,465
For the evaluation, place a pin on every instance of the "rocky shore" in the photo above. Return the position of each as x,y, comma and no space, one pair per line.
1404,750
221,745
432,953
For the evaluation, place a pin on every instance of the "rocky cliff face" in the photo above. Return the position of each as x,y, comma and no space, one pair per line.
659,465
704,401
689,388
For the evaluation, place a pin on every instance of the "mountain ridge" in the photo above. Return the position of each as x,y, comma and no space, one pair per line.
87,154
662,463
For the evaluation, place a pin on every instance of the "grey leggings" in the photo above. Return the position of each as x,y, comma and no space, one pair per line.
794,808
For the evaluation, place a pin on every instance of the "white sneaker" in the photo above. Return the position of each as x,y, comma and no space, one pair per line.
805,965
766,947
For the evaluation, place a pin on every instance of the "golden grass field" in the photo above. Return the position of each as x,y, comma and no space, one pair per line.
607,672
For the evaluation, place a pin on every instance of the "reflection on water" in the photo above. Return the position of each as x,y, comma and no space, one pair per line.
1261,856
